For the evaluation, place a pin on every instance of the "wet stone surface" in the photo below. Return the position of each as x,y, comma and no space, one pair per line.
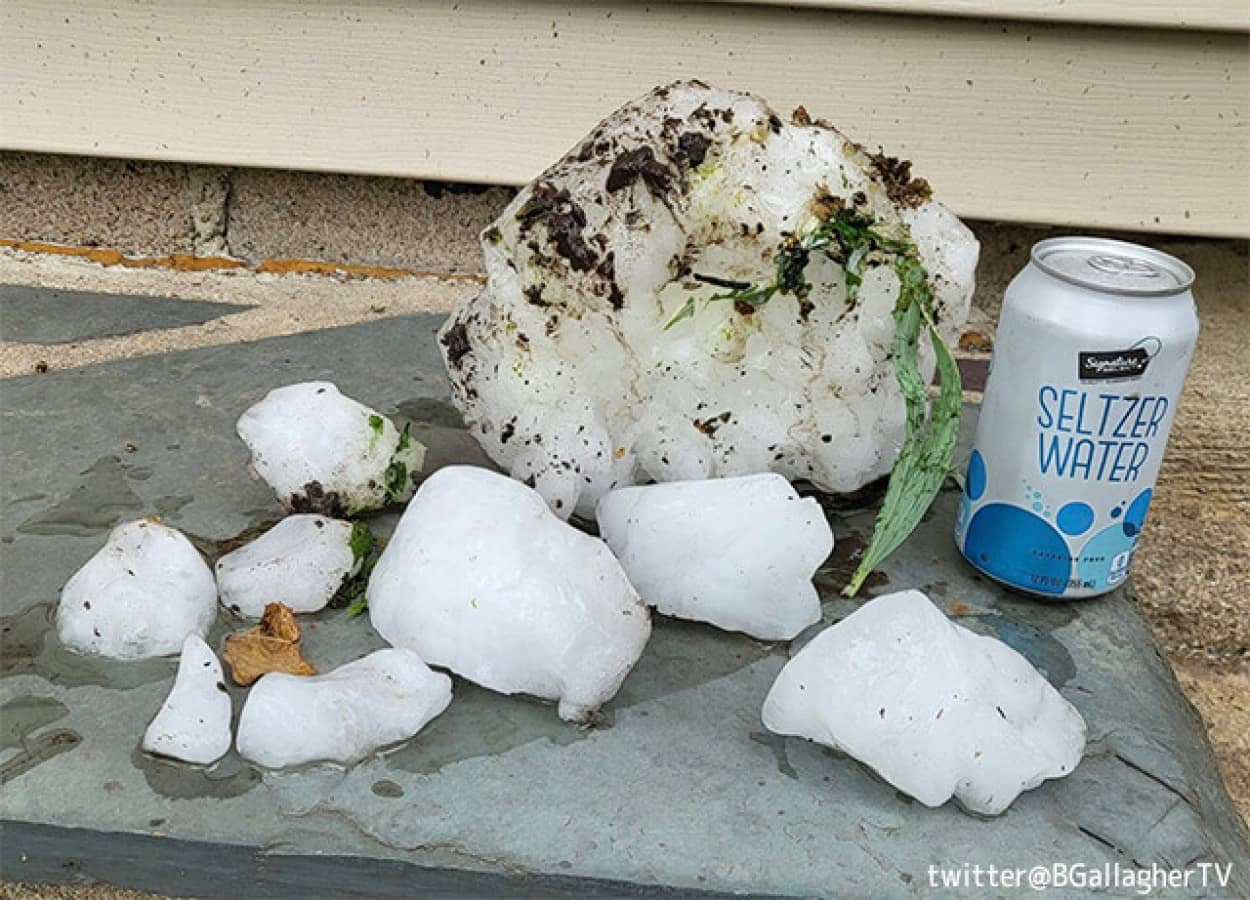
680,788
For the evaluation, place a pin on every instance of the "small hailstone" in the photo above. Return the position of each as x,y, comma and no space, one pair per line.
193,724
325,453
343,715
736,552
301,562
141,595
935,709
481,578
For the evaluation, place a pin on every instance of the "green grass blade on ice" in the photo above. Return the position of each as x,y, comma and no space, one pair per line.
849,238
924,460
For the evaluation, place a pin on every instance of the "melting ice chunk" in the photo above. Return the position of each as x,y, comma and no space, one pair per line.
565,365
935,709
481,577
301,562
344,715
325,453
139,596
737,552
193,724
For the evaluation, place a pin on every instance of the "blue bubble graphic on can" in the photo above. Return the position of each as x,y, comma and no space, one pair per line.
1090,355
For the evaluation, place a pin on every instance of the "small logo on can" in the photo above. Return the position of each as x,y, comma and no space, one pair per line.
1117,365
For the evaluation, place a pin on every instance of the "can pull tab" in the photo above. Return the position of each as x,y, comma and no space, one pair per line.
1123,265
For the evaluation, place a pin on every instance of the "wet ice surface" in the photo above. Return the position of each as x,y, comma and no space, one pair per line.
937,710
301,562
193,724
736,552
323,452
139,596
564,366
343,715
481,578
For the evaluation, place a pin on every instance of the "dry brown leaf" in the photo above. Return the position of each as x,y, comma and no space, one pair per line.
271,646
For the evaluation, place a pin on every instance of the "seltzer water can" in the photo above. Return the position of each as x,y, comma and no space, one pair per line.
1093,343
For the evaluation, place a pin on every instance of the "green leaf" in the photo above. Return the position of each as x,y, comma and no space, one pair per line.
685,312
361,541
405,440
395,479
925,458
359,605
376,424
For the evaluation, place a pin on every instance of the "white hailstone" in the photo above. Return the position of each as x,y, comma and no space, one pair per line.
193,724
142,593
935,709
343,715
325,453
301,562
480,578
563,366
739,553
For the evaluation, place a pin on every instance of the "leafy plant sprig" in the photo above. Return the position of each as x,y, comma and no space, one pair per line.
848,238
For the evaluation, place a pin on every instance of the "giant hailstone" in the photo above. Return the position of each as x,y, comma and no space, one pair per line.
322,452
142,593
480,578
343,715
300,562
564,369
739,553
935,709
193,724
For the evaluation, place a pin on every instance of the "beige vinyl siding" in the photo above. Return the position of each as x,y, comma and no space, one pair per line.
1015,120
1232,15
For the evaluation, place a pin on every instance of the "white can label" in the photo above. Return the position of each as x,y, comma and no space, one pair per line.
1061,477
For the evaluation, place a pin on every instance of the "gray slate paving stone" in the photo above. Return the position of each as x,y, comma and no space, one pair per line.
684,791
31,315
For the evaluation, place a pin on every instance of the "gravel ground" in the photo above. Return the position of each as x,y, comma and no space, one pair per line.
1191,574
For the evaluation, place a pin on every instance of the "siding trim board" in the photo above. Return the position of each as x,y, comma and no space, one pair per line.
1107,127
1216,15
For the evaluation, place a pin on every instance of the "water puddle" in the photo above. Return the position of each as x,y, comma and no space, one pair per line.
102,500
20,718
230,776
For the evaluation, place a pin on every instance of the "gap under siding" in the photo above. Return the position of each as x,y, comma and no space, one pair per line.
1016,121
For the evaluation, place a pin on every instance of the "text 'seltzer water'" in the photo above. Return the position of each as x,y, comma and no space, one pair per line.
1093,344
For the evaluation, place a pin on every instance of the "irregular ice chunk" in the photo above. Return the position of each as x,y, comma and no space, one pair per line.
325,453
482,579
737,552
563,366
341,716
935,709
139,596
301,562
193,724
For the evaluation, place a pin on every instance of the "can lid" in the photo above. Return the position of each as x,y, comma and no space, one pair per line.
1112,267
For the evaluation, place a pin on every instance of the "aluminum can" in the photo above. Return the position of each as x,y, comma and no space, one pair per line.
1093,344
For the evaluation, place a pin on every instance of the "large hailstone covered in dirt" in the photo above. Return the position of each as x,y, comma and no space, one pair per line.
563,366
935,709
140,596
480,578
